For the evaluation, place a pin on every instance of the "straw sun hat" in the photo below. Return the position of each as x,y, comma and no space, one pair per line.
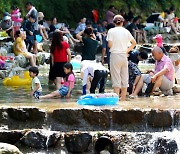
40,15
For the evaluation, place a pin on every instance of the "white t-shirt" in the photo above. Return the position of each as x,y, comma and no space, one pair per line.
34,81
171,16
89,69
120,38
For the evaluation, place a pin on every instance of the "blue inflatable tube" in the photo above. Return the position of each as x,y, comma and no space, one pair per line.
76,65
99,99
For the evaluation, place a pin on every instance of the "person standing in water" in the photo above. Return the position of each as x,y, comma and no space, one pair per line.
118,40
36,84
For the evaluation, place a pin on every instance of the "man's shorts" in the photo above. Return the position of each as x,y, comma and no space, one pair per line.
165,85
63,91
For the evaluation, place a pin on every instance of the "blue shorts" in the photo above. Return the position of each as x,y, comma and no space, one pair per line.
37,94
63,90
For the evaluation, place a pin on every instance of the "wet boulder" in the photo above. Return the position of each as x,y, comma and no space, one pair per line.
73,116
46,46
9,149
163,146
97,117
3,74
127,117
159,119
40,58
22,61
177,118
3,51
141,143
3,115
77,142
10,136
24,114
40,139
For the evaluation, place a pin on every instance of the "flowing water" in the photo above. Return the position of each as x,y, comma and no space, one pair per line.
20,97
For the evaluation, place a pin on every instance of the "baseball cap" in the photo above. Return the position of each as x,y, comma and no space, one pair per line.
158,36
118,19
6,14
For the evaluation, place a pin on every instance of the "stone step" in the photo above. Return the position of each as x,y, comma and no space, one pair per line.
103,142
89,119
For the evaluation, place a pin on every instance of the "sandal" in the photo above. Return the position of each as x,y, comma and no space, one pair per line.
132,97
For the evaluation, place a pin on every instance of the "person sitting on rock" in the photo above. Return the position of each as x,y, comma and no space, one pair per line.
135,56
136,30
175,57
134,76
163,76
19,47
7,25
41,27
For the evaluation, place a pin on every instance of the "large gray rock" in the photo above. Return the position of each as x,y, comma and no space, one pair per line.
10,136
127,143
25,114
73,116
128,117
166,146
77,142
3,115
3,51
9,149
40,58
40,139
3,74
97,117
22,61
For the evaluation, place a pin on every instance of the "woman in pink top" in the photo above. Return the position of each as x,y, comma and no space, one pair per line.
68,85
15,16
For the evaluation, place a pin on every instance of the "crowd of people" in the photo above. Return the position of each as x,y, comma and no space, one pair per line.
168,18
118,35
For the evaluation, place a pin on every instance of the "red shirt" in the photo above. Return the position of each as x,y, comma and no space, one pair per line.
60,55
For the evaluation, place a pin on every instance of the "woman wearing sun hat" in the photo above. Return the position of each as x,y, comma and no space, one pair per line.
41,27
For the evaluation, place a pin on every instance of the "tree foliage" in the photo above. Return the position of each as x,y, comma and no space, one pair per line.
70,11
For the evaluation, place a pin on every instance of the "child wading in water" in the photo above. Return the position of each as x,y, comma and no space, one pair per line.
68,85
36,85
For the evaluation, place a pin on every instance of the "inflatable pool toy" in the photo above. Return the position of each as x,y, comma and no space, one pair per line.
3,34
76,65
17,81
99,99
38,38
76,62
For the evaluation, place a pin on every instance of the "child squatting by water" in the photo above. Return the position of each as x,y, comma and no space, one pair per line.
66,88
36,84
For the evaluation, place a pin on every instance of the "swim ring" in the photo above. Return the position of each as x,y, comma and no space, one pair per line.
17,81
76,65
99,99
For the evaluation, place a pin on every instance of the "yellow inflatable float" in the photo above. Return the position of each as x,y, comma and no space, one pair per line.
17,81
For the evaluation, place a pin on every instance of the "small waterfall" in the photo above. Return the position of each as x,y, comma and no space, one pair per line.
111,121
172,116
